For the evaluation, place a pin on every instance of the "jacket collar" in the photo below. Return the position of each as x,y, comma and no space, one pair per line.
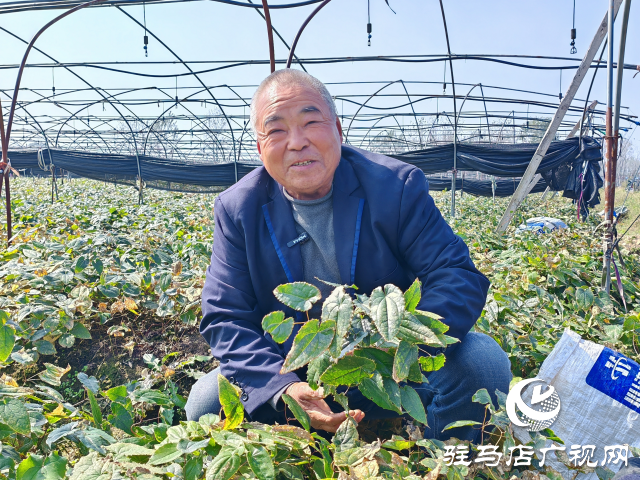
346,203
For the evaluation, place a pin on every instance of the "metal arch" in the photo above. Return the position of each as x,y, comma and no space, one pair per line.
31,45
279,36
364,104
302,27
150,128
486,114
65,109
74,115
192,72
413,110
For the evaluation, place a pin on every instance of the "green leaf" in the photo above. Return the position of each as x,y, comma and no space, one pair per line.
406,355
116,393
109,291
461,423
298,295
90,383
297,411
14,415
279,327
55,468
412,404
80,264
53,374
193,468
412,296
98,265
261,464
230,401
29,468
165,454
316,368
384,360
338,307
80,331
432,363
95,409
154,397
224,466
630,323
482,396
387,306
346,436
348,371
398,443
412,330
393,391
7,341
584,298
67,340
45,347
310,342
431,321
373,389
120,417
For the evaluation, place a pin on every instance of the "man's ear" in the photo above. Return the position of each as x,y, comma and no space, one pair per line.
259,149
339,127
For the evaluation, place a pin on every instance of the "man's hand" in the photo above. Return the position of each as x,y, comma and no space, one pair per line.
321,416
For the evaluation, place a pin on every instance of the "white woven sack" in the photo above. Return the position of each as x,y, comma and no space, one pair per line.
587,415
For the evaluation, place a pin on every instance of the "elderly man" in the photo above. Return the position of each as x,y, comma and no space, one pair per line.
320,209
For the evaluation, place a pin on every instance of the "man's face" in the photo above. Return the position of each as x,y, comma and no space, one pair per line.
298,140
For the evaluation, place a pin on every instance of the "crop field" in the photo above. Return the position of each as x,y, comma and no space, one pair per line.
99,341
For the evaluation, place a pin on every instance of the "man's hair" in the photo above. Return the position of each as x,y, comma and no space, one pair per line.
288,77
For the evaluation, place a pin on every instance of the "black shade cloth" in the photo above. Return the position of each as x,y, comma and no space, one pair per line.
561,168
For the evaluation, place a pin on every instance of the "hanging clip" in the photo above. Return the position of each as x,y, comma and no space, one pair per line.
146,42
369,29
573,42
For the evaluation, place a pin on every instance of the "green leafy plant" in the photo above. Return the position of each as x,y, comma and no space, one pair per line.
369,342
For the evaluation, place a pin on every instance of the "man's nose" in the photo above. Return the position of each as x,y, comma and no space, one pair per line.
297,139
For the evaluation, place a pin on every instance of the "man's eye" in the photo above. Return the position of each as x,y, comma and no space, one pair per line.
312,122
271,132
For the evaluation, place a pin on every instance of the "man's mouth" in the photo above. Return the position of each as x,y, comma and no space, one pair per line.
302,163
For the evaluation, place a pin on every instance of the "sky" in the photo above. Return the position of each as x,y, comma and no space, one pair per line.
207,30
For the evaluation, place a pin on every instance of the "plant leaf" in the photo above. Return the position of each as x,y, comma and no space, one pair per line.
310,342
165,454
432,363
411,330
14,415
80,331
53,374
261,464
338,307
316,368
298,295
346,436
348,371
297,411
387,306
7,341
482,396
95,409
461,423
373,389
384,360
224,466
393,391
406,355
412,296
276,325
90,383
230,401
412,404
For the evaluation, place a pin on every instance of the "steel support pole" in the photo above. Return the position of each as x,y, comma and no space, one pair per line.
552,129
454,172
272,58
611,138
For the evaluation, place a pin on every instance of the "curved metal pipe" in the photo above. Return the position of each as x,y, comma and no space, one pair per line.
267,17
304,24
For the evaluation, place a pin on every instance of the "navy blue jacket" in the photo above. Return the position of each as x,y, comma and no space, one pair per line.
387,230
